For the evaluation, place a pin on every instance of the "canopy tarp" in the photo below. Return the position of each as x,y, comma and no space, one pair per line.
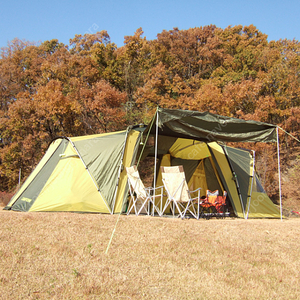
208,127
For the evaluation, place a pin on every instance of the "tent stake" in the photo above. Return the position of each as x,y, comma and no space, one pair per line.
279,175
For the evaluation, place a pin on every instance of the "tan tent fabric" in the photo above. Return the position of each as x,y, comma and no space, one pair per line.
128,160
261,207
227,174
260,204
199,179
70,188
189,149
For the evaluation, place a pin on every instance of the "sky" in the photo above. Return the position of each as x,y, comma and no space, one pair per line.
38,21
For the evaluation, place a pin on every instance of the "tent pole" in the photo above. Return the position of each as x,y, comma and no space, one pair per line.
155,158
279,175
251,184
19,178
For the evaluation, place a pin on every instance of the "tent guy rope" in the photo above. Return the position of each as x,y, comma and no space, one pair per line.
289,134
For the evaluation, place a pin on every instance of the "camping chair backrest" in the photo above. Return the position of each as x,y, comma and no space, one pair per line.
136,182
212,197
175,183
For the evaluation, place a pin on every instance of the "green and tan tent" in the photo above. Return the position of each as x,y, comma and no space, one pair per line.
80,174
87,174
197,140
218,167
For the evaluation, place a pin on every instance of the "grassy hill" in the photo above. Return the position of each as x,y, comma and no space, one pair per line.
62,256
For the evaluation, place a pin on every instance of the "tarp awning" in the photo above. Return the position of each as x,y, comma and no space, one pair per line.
208,127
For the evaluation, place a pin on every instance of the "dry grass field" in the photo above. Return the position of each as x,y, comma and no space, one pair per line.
62,256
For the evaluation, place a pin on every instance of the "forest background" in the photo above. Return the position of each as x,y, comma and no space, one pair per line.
92,86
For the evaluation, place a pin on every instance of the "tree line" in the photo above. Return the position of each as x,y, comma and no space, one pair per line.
92,86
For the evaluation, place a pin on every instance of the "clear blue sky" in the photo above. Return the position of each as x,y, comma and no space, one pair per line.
38,21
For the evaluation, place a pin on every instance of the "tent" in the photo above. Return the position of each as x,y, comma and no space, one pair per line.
218,167
196,140
87,174
80,174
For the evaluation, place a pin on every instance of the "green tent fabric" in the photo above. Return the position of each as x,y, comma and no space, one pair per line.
207,127
111,147
240,162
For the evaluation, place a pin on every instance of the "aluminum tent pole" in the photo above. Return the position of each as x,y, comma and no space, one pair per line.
279,175
19,178
155,158
253,173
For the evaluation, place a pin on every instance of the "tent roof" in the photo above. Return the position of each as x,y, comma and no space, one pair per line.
208,127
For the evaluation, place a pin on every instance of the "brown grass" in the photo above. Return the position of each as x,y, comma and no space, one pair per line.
62,256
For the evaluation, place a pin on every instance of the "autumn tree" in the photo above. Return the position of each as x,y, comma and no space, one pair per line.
51,90
91,85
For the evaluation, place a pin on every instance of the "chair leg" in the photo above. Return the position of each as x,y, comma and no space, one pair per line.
130,207
190,206
145,204
168,202
153,207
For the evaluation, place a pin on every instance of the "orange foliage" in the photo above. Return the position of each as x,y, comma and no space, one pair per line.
92,86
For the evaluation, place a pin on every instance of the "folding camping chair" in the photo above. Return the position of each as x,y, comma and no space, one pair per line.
208,205
178,192
141,197
214,205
